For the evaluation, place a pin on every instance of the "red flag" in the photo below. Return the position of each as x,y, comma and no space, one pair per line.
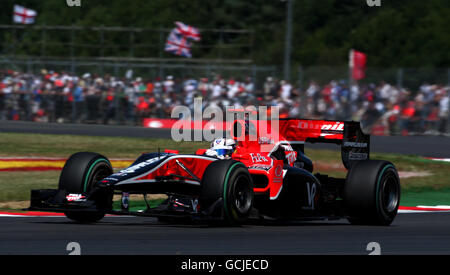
358,62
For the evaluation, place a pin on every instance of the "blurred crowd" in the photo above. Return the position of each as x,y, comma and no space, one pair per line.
61,97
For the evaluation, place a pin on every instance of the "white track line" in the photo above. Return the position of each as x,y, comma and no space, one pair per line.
440,159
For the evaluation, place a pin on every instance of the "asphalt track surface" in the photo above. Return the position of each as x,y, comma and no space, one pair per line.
409,234
426,146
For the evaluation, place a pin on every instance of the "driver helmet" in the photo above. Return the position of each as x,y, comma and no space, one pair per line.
223,147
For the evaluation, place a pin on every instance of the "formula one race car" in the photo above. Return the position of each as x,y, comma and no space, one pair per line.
277,183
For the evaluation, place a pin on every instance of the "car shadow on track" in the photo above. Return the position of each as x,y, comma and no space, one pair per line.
152,222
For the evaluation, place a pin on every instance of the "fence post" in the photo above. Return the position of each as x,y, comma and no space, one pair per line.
29,66
99,66
400,78
102,38
74,67
14,42
288,42
208,71
43,41
448,77
161,41
182,69
72,50
161,71
254,75
116,70
220,43
131,43
72,41
300,78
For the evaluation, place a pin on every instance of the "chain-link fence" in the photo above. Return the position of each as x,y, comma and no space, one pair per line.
407,78
81,41
149,71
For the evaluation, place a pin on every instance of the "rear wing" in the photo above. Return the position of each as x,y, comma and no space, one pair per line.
355,144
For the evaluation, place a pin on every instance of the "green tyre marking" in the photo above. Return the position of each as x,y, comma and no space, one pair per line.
89,172
225,188
378,185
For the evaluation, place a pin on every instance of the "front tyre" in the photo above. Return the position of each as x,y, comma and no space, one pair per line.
372,193
230,181
84,217
79,175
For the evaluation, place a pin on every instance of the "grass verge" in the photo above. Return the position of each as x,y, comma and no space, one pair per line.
12,144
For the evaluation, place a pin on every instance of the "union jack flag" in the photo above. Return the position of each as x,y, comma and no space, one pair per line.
178,44
188,31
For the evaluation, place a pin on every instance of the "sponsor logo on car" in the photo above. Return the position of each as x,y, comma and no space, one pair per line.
260,167
357,156
75,197
257,158
311,125
338,126
110,179
279,173
355,144
291,157
265,140
138,166
311,190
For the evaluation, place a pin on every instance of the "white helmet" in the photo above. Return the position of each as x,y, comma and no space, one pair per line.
222,148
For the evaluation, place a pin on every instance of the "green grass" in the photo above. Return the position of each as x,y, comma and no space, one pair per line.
16,186
64,145
138,204
411,198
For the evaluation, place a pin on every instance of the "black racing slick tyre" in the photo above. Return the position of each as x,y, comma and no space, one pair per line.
79,175
230,182
372,193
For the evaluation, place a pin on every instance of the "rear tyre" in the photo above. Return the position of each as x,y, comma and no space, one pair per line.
230,181
79,175
372,193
